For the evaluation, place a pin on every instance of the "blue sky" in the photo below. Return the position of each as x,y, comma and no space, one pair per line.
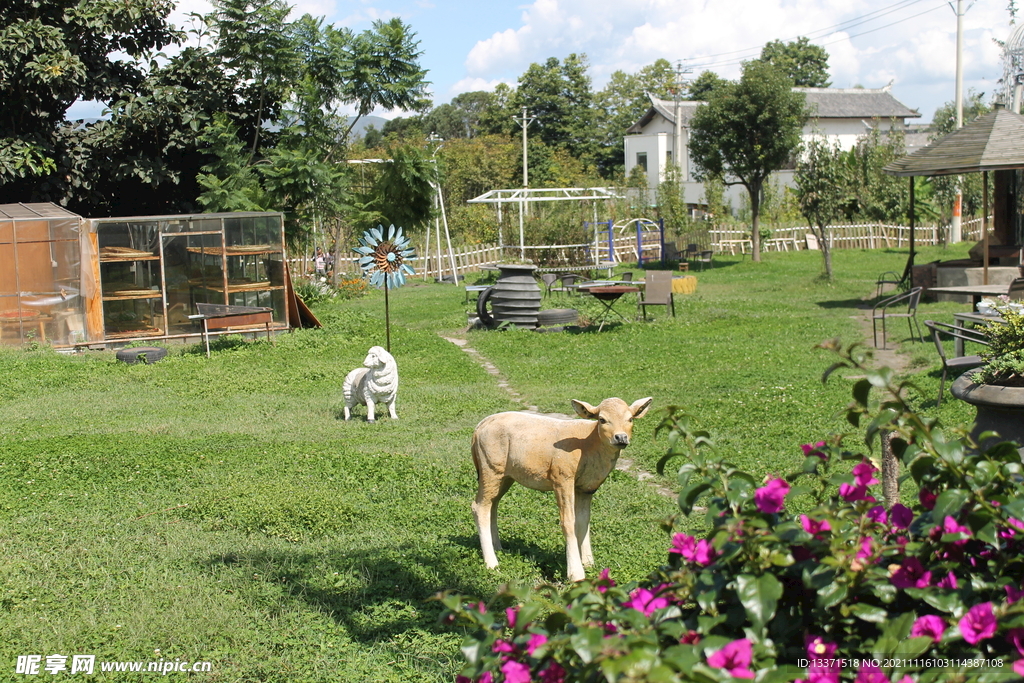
475,45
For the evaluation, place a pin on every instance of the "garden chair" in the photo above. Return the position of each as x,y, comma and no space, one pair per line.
961,363
548,279
705,257
691,251
882,311
1016,291
567,283
657,292
887,278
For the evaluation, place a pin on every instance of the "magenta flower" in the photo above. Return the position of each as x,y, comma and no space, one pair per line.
929,625
819,648
604,581
486,677
510,615
503,646
948,582
866,548
951,526
911,574
554,673
516,672
869,673
1015,636
902,516
536,640
704,554
646,602
978,624
810,450
813,526
1013,594
927,499
683,544
864,472
690,638
734,659
852,494
1015,523
1018,667
878,515
770,497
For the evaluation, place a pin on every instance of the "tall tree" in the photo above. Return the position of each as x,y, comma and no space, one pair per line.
52,53
559,95
805,63
748,130
622,102
701,88
822,188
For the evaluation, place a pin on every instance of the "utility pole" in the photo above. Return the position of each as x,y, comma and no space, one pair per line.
524,122
954,229
678,157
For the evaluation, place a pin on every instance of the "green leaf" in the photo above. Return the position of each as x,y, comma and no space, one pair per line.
870,613
831,595
689,495
949,503
587,643
899,627
759,596
862,391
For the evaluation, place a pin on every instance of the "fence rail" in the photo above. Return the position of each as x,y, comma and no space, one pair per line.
470,258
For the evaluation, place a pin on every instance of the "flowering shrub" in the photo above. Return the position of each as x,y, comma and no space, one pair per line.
1004,359
803,577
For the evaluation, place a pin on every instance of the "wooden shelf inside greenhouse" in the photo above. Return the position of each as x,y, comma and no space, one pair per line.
125,255
235,287
239,250
124,295
129,334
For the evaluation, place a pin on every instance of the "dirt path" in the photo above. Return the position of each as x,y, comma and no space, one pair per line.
624,464
889,356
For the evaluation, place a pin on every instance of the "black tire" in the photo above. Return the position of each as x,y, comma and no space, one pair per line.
557,316
481,307
141,354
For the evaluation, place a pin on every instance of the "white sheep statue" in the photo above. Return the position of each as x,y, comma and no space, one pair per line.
375,382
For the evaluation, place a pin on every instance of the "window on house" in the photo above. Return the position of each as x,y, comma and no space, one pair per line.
668,157
641,160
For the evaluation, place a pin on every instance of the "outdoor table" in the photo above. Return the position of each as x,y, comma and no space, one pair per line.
976,292
224,317
960,318
608,295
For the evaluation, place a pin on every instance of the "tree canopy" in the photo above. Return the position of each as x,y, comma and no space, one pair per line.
805,63
746,131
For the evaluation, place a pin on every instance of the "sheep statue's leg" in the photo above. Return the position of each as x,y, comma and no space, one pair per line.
391,409
565,496
348,412
369,410
583,501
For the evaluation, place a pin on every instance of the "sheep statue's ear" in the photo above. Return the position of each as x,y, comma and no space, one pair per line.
584,409
640,407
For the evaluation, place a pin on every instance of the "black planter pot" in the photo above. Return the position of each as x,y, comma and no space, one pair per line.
1000,409
514,298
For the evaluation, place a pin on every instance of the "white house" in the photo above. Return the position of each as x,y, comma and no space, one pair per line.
839,114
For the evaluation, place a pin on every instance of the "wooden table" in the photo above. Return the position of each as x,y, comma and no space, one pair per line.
608,295
959,320
976,292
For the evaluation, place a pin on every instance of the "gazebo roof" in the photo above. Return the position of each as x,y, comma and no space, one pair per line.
993,142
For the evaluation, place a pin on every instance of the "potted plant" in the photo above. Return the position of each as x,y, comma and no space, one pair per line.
996,389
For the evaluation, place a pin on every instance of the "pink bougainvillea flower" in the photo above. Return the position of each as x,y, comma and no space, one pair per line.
734,659
510,615
683,544
503,646
878,515
704,554
869,673
902,516
824,666
978,624
863,473
554,673
906,679
516,672
463,679
690,638
929,625
852,494
951,526
813,526
810,450
770,497
927,499
948,582
1015,636
536,640
604,580
867,548
1018,667
819,648
1013,594
486,677
1015,523
911,574
646,602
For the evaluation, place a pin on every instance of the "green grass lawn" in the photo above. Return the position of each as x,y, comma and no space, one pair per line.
220,510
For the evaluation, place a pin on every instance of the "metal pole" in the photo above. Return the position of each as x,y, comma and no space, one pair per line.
984,226
955,234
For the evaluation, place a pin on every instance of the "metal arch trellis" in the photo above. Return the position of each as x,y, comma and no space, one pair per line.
527,195
642,227
1013,68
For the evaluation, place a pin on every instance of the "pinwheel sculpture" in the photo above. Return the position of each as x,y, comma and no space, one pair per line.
383,255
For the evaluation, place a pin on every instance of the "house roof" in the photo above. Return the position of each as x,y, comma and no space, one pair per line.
823,103
34,211
992,142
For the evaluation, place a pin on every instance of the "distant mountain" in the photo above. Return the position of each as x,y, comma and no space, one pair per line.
375,121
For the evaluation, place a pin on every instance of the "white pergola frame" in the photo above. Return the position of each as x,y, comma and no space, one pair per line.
528,195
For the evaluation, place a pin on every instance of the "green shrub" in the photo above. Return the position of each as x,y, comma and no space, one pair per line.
845,591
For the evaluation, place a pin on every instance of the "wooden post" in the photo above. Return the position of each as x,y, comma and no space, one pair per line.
890,472
984,226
